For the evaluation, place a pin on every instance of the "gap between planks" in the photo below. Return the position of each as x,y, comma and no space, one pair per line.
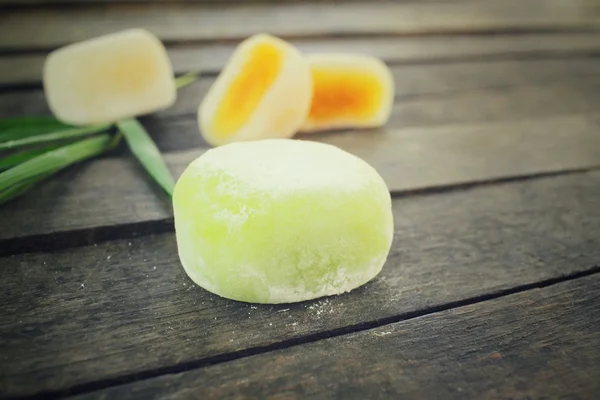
54,27
417,81
100,234
410,160
302,340
511,347
447,248
546,92
25,70
554,98
28,3
411,81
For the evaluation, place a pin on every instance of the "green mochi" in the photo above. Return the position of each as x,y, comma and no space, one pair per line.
281,221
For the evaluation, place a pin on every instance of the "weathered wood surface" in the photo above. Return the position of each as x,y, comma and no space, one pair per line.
46,28
542,344
410,81
211,57
490,107
501,109
512,103
83,209
94,316
428,79
216,2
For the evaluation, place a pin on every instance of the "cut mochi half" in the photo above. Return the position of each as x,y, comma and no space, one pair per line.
264,91
109,78
349,91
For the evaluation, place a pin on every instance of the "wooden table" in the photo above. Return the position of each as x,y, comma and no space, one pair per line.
492,156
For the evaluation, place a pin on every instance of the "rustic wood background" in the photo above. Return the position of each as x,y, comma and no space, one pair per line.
492,156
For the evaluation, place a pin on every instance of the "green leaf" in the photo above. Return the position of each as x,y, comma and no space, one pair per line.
21,127
22,156
54,160
21,188
186,79
6,123
144,148
53,136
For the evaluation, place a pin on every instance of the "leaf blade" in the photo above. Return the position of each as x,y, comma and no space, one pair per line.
20,127
21,188
144,149
54,136
12,160
42,121
186,79
55,160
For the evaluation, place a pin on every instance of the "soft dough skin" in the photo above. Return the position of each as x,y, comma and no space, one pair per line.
281,220
264,91
109,78
349,91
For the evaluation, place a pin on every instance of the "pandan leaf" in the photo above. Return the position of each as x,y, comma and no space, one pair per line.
22,127
186,79
54,136
21,188
51,162
11,160
145,150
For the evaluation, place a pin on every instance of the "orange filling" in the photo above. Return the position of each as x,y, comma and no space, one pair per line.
352,94
245,92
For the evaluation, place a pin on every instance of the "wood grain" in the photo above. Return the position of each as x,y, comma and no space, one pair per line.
541,344
80,206
434,79
121,310
574,95
211,57
410,81
48,28
220,2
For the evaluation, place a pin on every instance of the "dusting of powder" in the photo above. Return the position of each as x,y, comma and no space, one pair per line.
342,282
248,177
283,166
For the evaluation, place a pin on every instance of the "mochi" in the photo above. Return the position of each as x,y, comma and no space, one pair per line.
109,78
281,221
349,91
264,91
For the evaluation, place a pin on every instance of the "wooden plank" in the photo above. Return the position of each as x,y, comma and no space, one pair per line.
514,347
92,316
578,95
410,81
79,207
79,2
211,57
434,79
48,28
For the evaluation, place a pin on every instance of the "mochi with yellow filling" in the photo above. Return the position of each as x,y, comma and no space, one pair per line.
349,91
264,91
281,220
109,78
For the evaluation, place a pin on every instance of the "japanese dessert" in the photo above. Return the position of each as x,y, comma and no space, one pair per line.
349,91
109,78
264,91
281,220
